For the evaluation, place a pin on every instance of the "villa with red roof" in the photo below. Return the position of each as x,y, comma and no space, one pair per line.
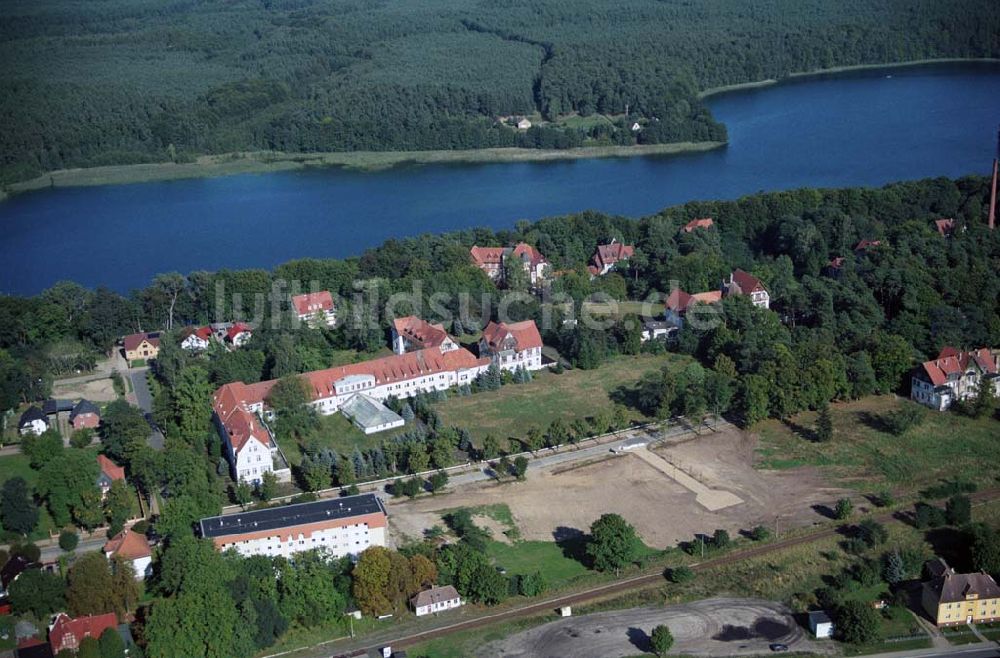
412,333
315,308
744,283
493,259
239,408
512,346
196,339
955,375
109,472
607,256
239,334
134,549
694,224
66,633
144,345
679,302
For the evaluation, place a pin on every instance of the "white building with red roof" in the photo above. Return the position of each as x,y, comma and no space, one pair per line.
134,549
108,472
955,375
492,260
239,334
694,224
315,308
66,633
411,333
679,303
607,256
196,339
249,446
744,283
512,346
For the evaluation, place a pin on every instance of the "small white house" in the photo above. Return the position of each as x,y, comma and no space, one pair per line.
134,549
636,127
523,124
196,340
33,421
435,599
820,624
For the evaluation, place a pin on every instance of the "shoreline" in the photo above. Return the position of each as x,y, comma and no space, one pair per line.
257,162
798,75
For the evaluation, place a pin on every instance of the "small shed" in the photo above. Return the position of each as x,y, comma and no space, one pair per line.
370,415
820,624
523,124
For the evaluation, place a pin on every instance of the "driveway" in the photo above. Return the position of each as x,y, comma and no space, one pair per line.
713,627
144,400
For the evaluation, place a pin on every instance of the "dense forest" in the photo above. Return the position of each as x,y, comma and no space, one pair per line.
111,82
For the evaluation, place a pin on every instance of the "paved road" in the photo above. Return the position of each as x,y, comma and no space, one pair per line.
989,650
712,627
144,399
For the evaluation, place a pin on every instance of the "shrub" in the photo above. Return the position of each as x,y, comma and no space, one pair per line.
680,575
844,509
872,533
81,438
901,421
68,540
948,488
857,623
958,510
26,550
927,516
760,533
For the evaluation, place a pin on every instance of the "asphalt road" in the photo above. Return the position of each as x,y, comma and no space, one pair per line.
145,401
712,627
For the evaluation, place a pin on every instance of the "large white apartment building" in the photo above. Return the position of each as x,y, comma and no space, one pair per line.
341,526
954,375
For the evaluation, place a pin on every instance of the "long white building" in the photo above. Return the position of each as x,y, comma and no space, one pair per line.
341,526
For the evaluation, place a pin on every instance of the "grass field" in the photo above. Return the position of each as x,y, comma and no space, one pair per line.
340,434
515,408
863,455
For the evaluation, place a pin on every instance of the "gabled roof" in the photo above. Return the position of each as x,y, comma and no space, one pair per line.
30,415
53,406
746,283
128,545
609,254
84,407
528,254
13,568
311,302
836,263
434,595
65,627
865,245
951,362
237,329
420,331
944,226
525,334
954,587
698,223
679,301
204,333
110,469
483,256
369,412
133,341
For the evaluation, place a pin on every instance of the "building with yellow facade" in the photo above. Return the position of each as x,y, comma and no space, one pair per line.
953,599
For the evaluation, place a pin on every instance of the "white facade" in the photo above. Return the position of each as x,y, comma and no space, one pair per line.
36,427
241,338
438,606
318,316
962,387
529,359
253,460
339,541
142,566
194,343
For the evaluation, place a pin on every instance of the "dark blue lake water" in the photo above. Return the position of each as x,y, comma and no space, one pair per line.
857,129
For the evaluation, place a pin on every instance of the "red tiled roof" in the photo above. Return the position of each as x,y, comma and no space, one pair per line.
746,282
420,331
128,545
609,254
679,301
133,341
698,223
865,245
483,256
67,633
525,334
528,253
951,362
205,333
111,469
309,303
945,226
237,329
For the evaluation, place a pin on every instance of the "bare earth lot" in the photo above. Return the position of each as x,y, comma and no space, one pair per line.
556,504
712,627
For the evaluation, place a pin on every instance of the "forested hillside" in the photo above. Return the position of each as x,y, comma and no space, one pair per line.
122,81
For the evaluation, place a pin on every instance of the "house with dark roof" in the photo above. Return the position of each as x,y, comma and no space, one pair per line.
108,472
13,568
32,421
954,375
315,308
411,333
341,526
144,345
608,256
85,414
66,633
435,599
957,599
744,283
512,346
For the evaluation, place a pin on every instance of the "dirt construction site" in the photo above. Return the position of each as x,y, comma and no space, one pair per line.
669,493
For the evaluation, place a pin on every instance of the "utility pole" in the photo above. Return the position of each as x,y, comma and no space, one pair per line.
777,532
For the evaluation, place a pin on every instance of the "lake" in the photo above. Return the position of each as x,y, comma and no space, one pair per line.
863,128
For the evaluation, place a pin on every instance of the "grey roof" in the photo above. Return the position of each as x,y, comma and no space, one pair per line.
368,412
84,407
819,617
287,516
32,414
434,595
55,406
955,587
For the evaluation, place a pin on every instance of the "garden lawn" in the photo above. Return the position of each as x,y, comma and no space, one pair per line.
337,432
863,455
511,411
527,557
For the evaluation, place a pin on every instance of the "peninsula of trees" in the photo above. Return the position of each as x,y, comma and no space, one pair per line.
105,82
